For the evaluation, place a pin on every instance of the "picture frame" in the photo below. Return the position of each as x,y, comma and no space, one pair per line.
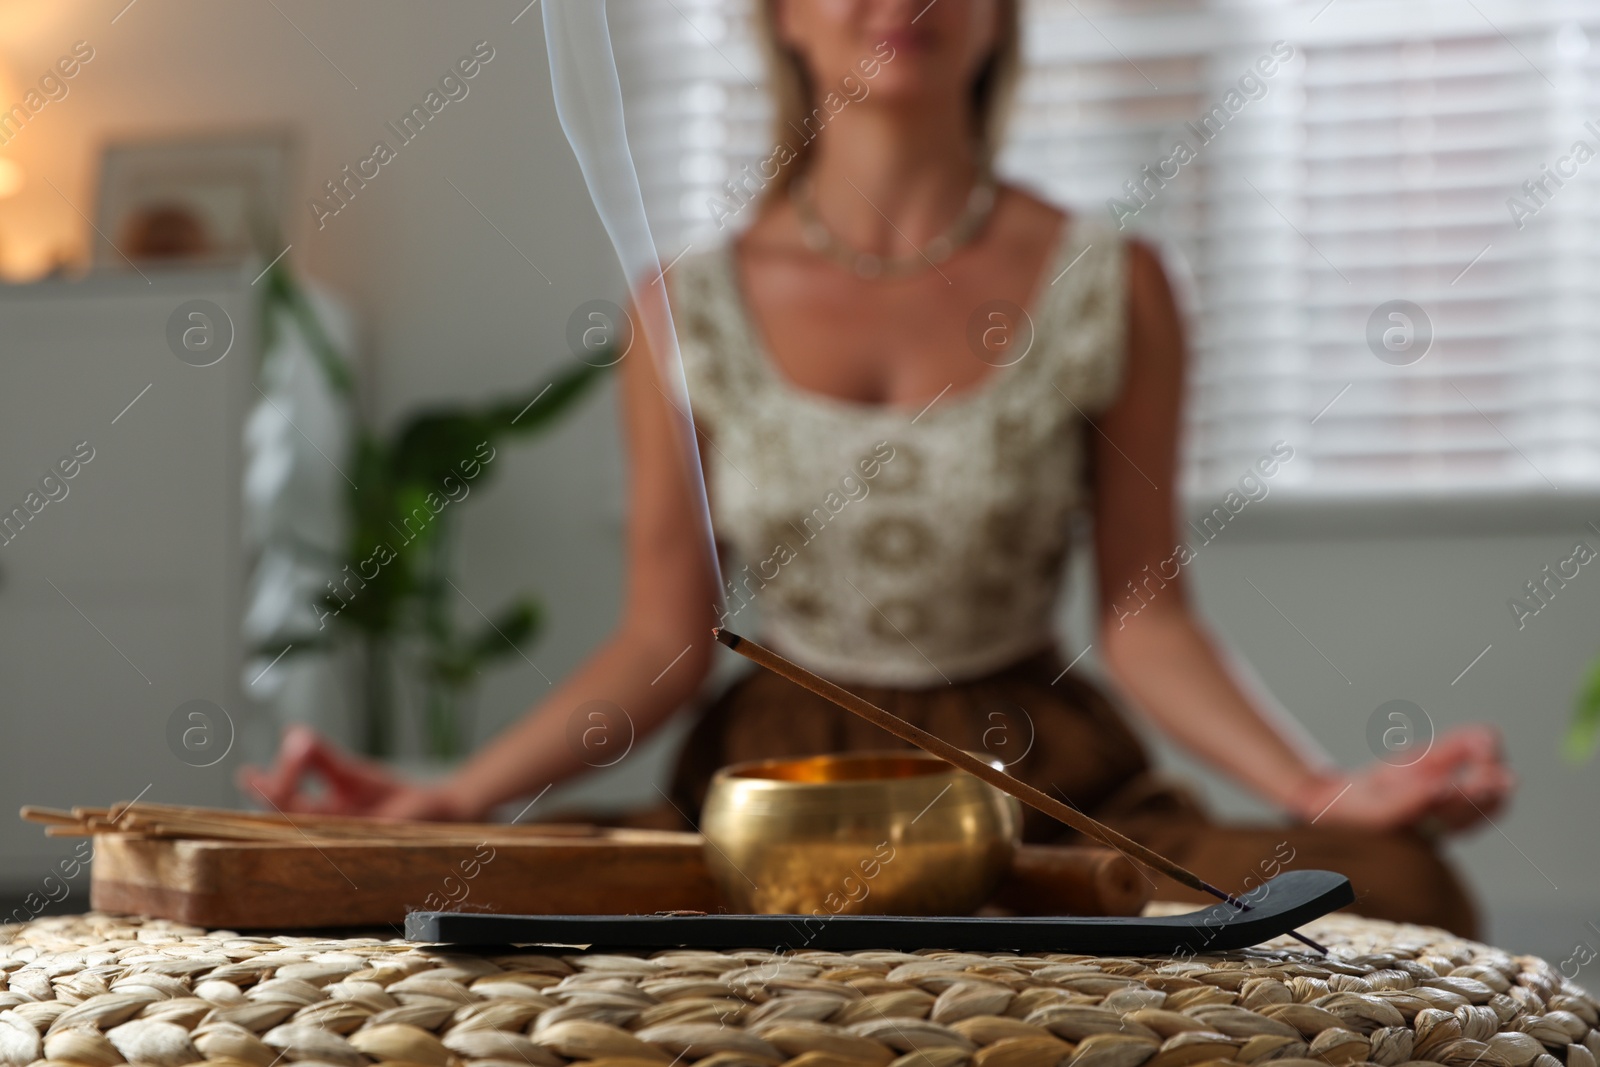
191,199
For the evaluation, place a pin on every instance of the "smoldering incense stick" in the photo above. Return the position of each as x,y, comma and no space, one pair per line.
937,746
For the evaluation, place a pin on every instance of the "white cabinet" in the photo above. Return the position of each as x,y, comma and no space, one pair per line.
121,600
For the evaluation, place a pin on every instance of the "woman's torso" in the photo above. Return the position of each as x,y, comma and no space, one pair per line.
892,545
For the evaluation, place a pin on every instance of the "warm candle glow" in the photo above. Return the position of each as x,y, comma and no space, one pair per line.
10,177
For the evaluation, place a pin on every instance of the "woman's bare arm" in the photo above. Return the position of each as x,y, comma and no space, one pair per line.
1162,656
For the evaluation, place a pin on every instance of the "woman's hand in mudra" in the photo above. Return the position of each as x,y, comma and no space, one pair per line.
351,785
1460,781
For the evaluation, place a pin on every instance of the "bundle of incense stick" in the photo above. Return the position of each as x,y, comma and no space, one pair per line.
937,746
177,821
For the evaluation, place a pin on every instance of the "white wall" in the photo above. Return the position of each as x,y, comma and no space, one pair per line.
451,310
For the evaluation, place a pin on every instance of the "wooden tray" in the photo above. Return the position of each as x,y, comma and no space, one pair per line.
266,885
376,882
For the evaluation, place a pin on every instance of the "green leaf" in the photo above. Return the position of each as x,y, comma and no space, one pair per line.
455,662
415,521
507,633
541,407
434,445
283,291
1584,733
451,439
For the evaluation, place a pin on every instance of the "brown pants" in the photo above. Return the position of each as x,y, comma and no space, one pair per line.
1064,737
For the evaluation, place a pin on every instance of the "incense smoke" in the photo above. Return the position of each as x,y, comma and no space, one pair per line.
588,97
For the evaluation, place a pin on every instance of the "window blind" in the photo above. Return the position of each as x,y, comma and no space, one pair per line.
1418,160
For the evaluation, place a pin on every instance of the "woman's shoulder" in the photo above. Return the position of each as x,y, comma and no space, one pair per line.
1083,294
1029,217
699,280
1027,211
714,339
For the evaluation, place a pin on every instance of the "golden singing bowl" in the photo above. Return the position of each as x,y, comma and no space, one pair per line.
866,833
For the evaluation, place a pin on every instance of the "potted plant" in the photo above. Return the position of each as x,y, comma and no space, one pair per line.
391,583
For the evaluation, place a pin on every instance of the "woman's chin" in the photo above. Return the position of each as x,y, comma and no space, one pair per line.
934,91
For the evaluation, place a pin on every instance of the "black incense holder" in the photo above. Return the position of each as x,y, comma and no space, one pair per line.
1276,908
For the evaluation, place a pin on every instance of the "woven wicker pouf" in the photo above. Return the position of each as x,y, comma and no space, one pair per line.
97,991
